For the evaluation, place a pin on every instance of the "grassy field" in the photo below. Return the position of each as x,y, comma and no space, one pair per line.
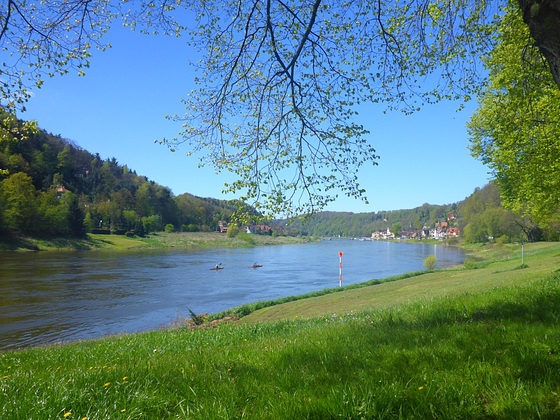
482,343
155,240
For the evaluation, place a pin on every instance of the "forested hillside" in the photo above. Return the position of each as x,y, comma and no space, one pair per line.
481,217
50,186
363,224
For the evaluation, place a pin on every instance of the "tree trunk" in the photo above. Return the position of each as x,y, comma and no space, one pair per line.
543,19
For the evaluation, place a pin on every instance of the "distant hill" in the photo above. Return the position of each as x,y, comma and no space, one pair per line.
479,218
50,186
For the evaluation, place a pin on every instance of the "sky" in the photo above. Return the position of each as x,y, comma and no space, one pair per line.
118,109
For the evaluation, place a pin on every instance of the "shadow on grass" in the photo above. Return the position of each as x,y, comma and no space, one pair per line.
9,242
14,242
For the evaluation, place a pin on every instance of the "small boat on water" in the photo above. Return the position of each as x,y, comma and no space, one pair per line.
218,267
256,266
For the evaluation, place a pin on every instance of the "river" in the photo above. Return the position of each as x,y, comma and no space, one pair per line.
48,297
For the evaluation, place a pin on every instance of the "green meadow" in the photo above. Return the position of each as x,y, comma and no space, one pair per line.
481,342
177,240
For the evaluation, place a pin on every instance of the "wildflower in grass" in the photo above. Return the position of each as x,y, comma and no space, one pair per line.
125,378
123,410
421,388
67,414
84,418
107,384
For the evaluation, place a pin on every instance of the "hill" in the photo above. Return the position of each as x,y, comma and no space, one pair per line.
480,217
49,186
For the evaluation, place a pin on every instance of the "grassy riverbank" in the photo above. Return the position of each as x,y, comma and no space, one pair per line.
178,240
477,343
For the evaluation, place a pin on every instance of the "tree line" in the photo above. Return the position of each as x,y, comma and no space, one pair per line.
49,186
481,217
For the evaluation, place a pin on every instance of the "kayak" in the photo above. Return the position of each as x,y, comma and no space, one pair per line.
217,268
255,266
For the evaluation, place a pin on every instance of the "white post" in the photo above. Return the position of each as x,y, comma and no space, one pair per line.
522,250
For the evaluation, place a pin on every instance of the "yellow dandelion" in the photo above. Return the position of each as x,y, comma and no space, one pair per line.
67,414
421,387
125,378
107,384
123,410
84,418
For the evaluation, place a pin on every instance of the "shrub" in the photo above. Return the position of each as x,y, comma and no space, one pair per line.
232,231
129,234
470,264
169,228
452,241
502,240
197,319
430,262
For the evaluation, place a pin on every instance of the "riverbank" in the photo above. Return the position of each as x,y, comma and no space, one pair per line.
176,240
473,343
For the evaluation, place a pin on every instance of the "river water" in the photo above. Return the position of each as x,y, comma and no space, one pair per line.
51,297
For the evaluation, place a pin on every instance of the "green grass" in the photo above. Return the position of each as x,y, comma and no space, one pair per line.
455,344
178,240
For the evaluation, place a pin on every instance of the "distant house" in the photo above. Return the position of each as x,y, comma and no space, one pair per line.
381,234
256,228
60,190
453,232
222,227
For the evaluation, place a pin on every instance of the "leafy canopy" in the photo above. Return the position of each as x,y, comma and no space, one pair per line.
281,83
516,129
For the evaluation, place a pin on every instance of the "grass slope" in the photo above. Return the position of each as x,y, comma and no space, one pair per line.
499,266
443,351
178,240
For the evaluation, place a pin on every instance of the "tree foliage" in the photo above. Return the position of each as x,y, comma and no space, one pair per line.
516,129
430,262
42,39
282,81
482,216
281,85
52,187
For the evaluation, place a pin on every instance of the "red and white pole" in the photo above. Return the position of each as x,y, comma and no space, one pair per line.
340,270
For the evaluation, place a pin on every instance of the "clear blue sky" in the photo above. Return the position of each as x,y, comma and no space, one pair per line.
118,109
